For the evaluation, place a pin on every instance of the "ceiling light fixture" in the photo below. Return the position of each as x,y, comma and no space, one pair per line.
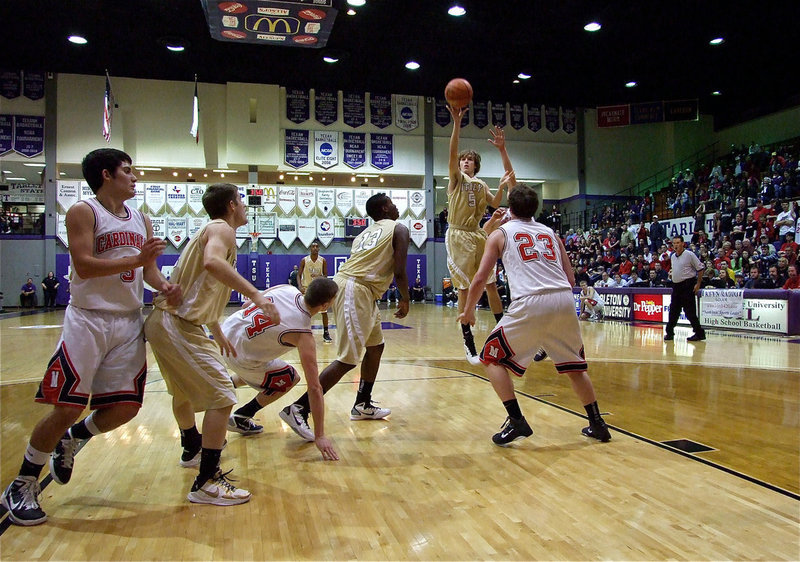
717,41
176,48
77,39
716,93
296,178
148,169
592,26
352,178
515,81
222,175
174,174
456,10
205,175
356,3
351,12
280,177
631,84
523,76
412,65
310,178
226,170
330,60
33,165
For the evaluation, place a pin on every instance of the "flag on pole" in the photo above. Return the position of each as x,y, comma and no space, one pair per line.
195,115
108,109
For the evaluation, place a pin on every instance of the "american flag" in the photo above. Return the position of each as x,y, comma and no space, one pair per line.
194,131
108,110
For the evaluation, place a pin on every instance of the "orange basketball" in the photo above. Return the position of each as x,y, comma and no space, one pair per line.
458,92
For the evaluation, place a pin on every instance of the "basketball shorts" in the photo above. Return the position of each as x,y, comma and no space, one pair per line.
358,321
273,377
100,354
529,325
464,253
189,361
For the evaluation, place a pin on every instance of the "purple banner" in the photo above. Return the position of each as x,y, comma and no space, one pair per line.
683,110
33,85
381,151
380,110
326,106
651,112
10,84
296,154
499,114
535,117
355,149
480,113
298,106
441,115
516,116
354,109
6,134
551,118
465,119
569,119
28,135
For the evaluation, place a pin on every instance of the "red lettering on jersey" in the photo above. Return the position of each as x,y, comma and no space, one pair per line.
525,245
111,240
258,325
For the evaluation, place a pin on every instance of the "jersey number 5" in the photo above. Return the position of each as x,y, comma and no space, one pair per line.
526,246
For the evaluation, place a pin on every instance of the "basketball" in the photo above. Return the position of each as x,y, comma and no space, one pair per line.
458,92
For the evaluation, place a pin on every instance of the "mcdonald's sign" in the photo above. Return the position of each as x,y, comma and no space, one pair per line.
272,24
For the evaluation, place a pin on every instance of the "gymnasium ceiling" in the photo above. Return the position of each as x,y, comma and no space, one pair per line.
662,45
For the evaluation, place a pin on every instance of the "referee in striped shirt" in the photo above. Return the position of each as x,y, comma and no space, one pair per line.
685,284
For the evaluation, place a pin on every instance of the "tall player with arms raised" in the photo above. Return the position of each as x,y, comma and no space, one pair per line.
101,352
541,314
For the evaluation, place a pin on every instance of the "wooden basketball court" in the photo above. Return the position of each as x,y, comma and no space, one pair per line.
427,483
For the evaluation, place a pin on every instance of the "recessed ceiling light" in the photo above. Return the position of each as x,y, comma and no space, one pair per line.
516,81
717,41
716,93
631,84
352,178
280,177
33,165
330,60
381,179
222,175
176,48
323,178
310,178
17,179
592,26
62,173
356,2
456,10
351,12
205,175
77,39
412,65
523,76
296,178
174,174
189,174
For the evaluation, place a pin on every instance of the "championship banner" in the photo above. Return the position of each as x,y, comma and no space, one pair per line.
325,231
722,303
306,200
499,114
516,115
613,116
242,234
465,119
176,197
441,115
535,117
28,135
400,200
10,84
159,226
569,119
195,198
551,118
355,149
298,106
287,230
381,150
326,199
380,110
361,196
6,134
326,149
296,148
155,195
33,85
354,109
267,225
177,230
137,202
407,112
287,198
194,225
416,202
683,110
61,229
271,22
418,231
480,113
67,194
650,112
306,230
269,198
344,200
86,191
326,106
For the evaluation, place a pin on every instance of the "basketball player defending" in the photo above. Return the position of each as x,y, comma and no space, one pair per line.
467,198
101,351
259,343
189,361
378,254
541,280
311,267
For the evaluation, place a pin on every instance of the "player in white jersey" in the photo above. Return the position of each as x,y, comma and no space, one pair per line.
591,303
259,343
541,280
101,352
311,267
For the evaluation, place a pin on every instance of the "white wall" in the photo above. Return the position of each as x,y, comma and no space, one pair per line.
764,130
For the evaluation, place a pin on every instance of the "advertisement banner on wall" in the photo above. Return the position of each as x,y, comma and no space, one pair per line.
287,198
67,194
617,306
195,198
159,226
306,200
326,199
400,199
418,231
287,230
195,224
325,231
155,196
176,197
176,230
361,196
306,230
344,200
763,315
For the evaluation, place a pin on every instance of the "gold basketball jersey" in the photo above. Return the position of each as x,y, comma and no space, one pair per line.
467,203
371,261
311,270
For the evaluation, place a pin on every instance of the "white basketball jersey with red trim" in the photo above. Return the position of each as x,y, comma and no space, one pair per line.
114,237
532,258
254,336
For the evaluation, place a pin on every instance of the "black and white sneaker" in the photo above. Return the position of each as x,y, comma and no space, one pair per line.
326,337
599,432
63,459
541,355
21,499
243,425
296,418
511,431
368,411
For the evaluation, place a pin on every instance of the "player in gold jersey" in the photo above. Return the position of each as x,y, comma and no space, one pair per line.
311,267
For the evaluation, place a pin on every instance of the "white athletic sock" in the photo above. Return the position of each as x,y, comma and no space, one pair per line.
35,456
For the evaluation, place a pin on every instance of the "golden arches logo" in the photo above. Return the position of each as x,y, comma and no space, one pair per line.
272,24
